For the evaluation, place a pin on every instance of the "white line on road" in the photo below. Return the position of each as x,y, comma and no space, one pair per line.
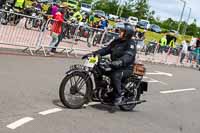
156,81
46,112
19,123
174,91
92,103
159,73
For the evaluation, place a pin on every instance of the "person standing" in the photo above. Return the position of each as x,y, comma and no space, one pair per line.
197,54
163,43
103,23
64,9
54,9
56,30
91,19
184,50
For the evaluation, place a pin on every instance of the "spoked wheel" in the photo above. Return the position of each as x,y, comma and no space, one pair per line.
131,86
3,18
29,23
75,90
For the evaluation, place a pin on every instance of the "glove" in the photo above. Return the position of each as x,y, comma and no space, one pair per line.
88,55
116,64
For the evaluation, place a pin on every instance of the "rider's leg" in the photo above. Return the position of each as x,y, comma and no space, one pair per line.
116,79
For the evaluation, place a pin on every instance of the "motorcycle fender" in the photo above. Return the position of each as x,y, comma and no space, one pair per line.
143,87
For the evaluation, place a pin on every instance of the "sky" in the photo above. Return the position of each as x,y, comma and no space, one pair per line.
172,8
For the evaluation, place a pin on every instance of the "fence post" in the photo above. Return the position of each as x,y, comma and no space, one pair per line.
103,35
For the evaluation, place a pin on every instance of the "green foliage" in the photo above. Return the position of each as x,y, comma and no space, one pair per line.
87,1
141,9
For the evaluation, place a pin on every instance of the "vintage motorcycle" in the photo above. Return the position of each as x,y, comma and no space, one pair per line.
91,82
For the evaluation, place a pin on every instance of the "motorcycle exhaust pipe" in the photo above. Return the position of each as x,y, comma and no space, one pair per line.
135,102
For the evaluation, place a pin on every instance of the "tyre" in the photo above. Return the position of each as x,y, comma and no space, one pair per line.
95,40
74,90
130,84
29,23
3,18
16,20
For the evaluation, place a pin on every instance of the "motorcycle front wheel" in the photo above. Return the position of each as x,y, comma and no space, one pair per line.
74,90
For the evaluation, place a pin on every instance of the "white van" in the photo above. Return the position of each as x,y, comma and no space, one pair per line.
133,20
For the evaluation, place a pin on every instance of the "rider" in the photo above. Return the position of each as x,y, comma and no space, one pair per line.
122,51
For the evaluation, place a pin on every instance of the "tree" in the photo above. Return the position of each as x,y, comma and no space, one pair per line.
87,1
109,6
141,9
192,30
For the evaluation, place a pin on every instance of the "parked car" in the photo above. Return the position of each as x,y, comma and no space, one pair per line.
133,20
86,7
144,24
112,17
155,28
174,31
99,13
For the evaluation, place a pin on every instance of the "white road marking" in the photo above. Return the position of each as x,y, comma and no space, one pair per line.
159,73
19,123
50,111
180,90
156,81
164,73
92,103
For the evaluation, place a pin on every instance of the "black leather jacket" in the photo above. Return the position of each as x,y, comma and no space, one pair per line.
121,50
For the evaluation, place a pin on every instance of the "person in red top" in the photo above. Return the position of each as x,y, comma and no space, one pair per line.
56,29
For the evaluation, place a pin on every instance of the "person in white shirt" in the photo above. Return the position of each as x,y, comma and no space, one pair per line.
184,50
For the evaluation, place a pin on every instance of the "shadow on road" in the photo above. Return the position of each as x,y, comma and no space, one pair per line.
110,109
58,103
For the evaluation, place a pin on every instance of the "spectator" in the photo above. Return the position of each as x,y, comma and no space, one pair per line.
197,53
91,19
78,16
65,27
20,4
103,23
184,50
191,53
163,43
56,30
54,9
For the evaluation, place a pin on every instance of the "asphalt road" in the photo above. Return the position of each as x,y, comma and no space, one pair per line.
29,85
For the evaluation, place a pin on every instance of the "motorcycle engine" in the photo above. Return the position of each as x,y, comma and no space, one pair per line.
103,91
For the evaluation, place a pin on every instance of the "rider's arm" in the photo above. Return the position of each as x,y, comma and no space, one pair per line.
106,50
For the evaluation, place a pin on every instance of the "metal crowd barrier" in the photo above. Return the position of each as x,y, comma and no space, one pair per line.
13,34
82,38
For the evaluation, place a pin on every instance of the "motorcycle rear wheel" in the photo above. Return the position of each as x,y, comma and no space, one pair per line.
76,79
131,84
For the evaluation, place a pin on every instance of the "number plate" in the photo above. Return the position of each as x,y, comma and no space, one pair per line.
91,62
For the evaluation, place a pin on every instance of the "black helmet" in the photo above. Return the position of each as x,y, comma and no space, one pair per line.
128,28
